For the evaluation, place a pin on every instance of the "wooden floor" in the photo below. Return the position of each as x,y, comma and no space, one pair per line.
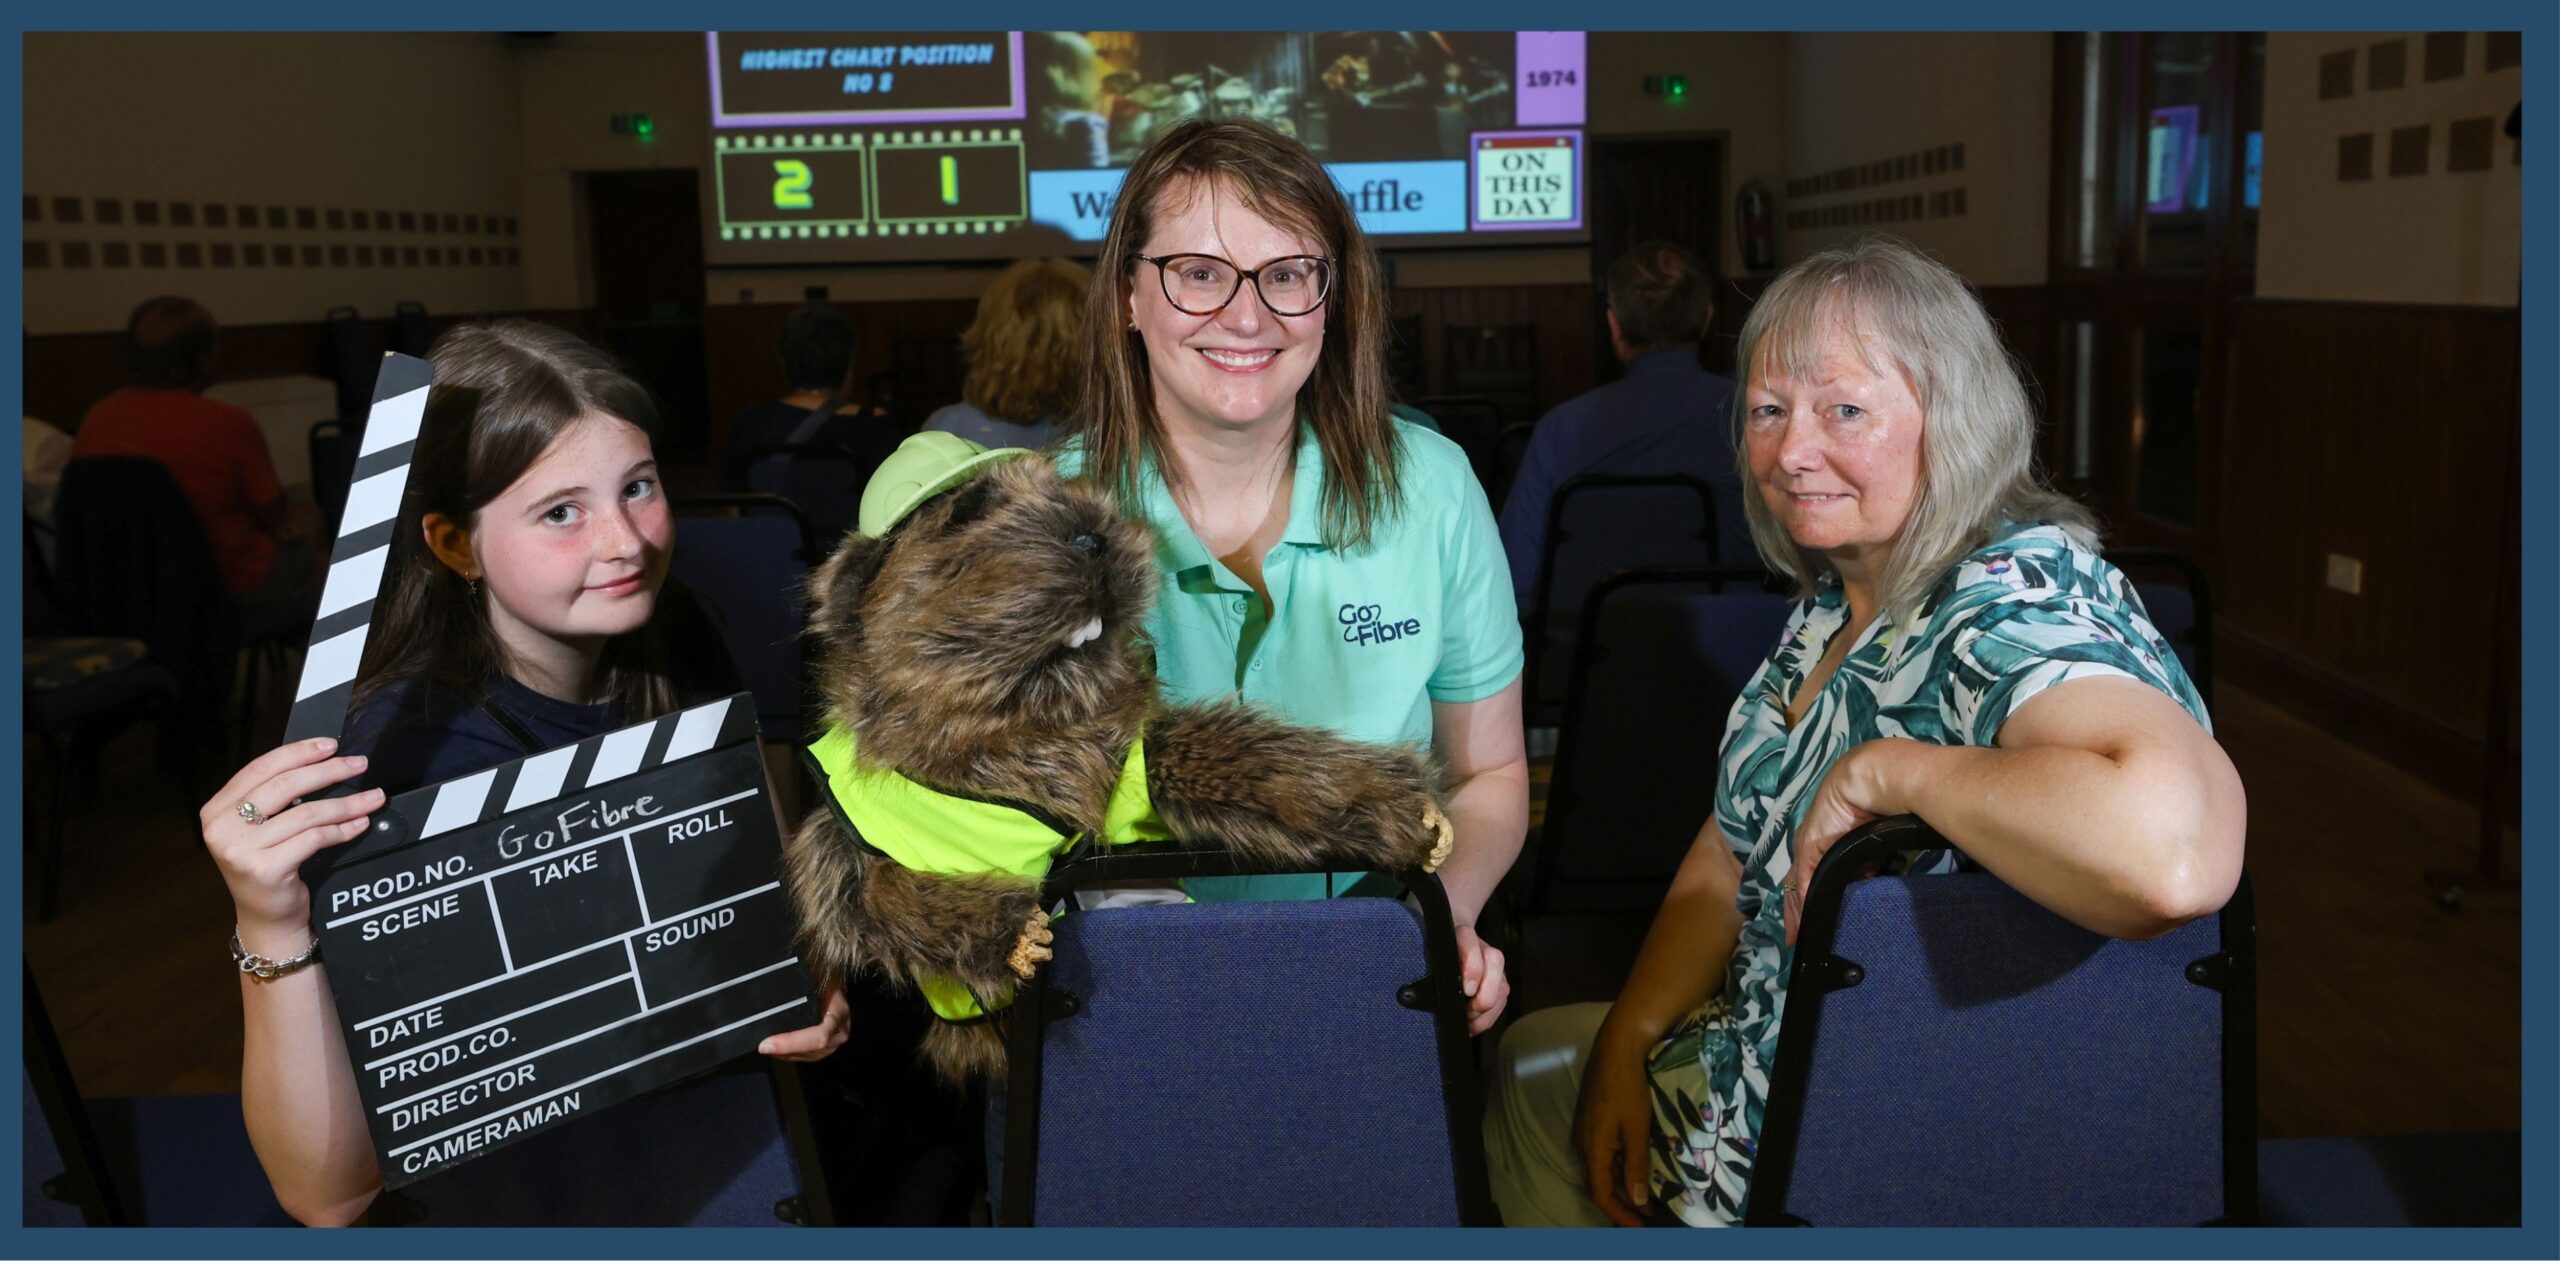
2380,1012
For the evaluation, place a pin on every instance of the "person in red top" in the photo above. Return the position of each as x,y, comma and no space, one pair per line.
215,450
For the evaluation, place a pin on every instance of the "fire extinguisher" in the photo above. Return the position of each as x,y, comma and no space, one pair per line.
1754,226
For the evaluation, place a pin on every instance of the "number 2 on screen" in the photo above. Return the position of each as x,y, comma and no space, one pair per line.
791,191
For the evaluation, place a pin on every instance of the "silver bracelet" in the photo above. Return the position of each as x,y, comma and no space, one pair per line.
266,969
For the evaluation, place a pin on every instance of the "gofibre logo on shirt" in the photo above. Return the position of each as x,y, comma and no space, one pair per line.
1365,624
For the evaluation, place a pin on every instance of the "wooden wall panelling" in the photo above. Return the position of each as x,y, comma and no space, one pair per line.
67,373
746,364
2023,314
1562,315
2376,432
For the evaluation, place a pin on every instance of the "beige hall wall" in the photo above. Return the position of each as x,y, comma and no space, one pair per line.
502,127
1858,100
2438,236
425,125
572,84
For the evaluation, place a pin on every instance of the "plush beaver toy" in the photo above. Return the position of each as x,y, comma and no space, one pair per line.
990,703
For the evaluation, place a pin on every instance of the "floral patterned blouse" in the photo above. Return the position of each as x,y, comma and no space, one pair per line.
2027,611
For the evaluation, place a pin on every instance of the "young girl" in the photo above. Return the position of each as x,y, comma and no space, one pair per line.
522,610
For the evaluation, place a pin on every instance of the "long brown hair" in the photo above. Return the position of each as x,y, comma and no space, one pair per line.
504,392
1024,348
1345,399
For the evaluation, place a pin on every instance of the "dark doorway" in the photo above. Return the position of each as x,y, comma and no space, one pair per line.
644,249
1648,188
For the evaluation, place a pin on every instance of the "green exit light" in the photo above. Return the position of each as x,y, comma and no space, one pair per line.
640,125
1670,86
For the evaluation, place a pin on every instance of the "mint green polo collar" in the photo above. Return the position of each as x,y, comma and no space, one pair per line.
1179,549
1306,495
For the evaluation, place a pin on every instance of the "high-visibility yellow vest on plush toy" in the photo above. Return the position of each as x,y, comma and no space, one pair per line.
925,829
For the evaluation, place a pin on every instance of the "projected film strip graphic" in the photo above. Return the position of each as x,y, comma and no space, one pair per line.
512,949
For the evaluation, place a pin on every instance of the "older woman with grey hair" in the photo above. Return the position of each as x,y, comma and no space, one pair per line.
1958,651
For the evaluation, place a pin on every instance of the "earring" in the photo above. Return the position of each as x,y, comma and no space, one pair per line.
475,587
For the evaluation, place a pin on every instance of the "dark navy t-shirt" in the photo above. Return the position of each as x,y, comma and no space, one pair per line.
421,733
868,436
1666,415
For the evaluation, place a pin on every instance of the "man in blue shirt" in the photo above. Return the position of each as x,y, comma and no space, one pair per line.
1665,415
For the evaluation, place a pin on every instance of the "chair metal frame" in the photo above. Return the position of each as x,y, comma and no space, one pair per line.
794,453
811,552
332,478
1025,1023
1510,450
85,1181
1474,422
1818,970
1542,606
241,673
2199,593
1563,779
67,745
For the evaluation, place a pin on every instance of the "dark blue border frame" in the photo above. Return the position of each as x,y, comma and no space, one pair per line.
2538,1237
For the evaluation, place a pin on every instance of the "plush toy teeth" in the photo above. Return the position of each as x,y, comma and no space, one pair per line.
1085,634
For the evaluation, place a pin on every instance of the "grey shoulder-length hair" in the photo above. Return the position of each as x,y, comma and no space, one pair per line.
1977,433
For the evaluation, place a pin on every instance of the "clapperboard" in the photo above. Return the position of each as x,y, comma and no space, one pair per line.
520,947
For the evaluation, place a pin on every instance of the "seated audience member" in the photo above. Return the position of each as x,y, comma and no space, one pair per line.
1026,357
1958,651
818,358
216,452
45,450
524,607
1666,415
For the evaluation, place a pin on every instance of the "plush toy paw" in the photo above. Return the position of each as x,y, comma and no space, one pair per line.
1031,949
1440,849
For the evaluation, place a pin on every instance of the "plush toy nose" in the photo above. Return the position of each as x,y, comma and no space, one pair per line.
1089,544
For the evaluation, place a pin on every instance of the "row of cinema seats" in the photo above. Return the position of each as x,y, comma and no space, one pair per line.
1952,1055
1633,777
1358,1103
1355,1101
127,618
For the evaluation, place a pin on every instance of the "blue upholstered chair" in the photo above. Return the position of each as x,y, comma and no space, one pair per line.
1243,1063
2175,592
1475,424
1597,525
1659,658
1953,1054
747,556
332,446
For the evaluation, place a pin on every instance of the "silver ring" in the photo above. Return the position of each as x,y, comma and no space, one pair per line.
250,812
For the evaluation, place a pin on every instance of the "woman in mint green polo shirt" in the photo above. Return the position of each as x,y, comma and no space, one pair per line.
1319,557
